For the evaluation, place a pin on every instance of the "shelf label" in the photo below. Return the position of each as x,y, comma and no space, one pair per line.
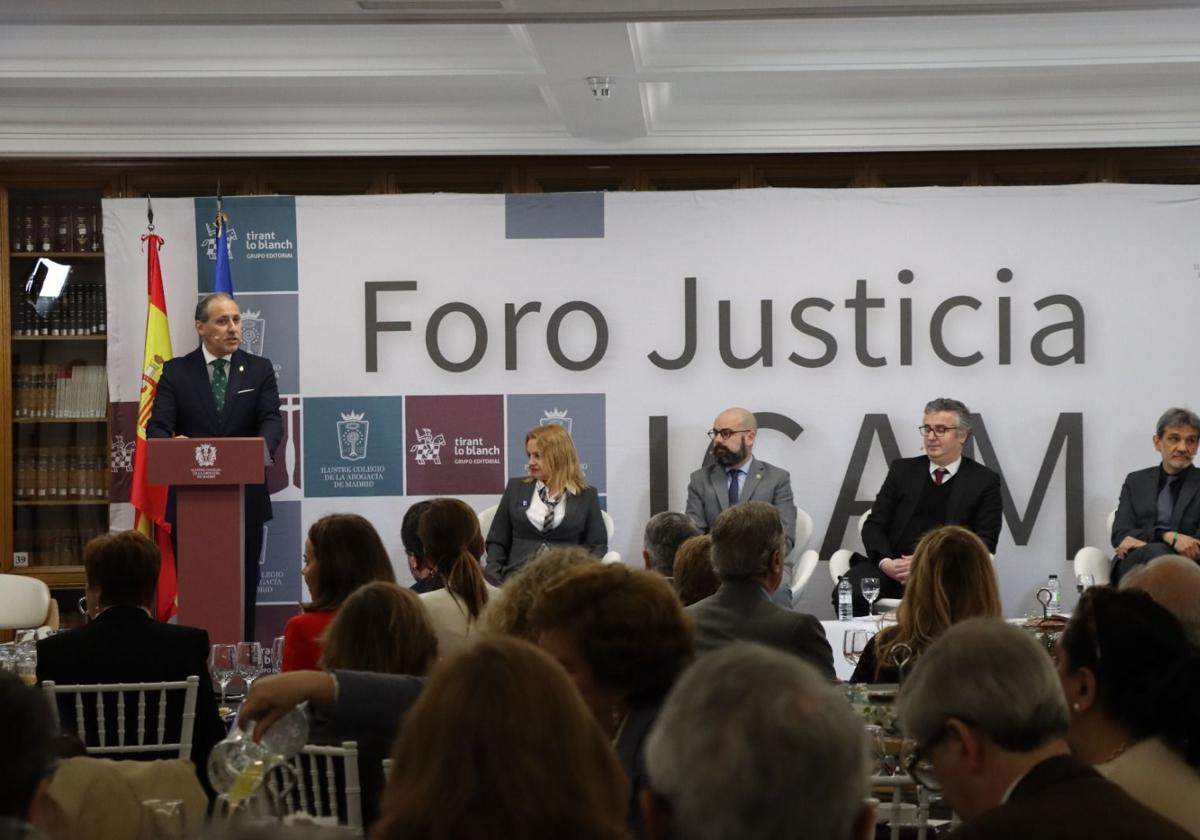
20,559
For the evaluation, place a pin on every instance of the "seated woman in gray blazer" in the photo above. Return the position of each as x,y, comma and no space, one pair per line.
550,506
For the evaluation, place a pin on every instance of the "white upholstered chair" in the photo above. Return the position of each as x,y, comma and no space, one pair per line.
803,560
24,602
1094,561
489,513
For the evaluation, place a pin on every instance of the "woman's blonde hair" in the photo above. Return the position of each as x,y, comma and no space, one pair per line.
508,612
382,627
951,579
547,771
559,457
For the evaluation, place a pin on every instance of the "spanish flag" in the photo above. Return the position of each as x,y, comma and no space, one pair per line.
150,502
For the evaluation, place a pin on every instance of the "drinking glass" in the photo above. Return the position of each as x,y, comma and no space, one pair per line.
854,642
277,654
249,662
223,664
870,591
1083,582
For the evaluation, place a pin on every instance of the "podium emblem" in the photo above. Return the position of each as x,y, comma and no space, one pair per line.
206,455
254,330
352,432
428,448
556,417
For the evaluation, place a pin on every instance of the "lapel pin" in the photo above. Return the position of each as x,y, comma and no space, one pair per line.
241,368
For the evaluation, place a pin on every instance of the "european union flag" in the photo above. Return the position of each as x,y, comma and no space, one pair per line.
223,279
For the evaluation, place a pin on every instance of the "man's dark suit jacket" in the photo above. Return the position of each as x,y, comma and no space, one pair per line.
512,539
1137,513
1062,799
123,644
974,503
183,405
741,610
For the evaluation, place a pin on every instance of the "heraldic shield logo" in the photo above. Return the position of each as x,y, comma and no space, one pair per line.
206,455
254,331
341,457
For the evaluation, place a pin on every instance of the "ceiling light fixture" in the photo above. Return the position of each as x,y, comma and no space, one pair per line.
601,87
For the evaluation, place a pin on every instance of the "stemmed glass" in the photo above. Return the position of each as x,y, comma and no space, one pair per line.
854,642
249,662
223,664
1083,582
870,591
277,654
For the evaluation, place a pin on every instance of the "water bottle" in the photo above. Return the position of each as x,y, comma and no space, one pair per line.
1055,605
845,599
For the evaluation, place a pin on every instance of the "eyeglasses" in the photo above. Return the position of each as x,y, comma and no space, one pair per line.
936,431
920,768
83,605
725,434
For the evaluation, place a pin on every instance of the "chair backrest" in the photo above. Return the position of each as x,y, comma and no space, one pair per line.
804,529
327,785
24,602
121,712
485,519
608,524
1112,516
805,567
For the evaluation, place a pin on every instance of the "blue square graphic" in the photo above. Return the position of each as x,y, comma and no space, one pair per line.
554,216
583,417
353,446
279,568
262,243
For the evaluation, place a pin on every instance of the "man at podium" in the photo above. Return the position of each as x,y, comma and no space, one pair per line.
219,390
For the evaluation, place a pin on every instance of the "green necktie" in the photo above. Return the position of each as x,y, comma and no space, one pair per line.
219,383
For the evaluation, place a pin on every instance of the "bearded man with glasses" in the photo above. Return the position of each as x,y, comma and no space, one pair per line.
734,475
941,487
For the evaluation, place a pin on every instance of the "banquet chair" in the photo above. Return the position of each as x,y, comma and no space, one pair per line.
24,602
110,711
327,785
1094,561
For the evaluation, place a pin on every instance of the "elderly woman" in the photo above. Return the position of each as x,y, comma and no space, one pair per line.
951,579
623,637
1132,683
343,551
551,506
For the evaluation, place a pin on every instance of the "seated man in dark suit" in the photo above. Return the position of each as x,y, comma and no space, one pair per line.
941,487
735,475
989,718
1159,511
747,553
123,643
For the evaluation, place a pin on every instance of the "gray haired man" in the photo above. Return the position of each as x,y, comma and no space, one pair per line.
987,712
1174,582
664,533
753,744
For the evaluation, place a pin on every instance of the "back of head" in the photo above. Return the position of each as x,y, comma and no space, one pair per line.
508,612
560,461
28,740
123,566
408,529
992,675
695,578
752,743
744,538
545,771
664,533
1147,673
628,626
349,553
381,627
951,579
1174,582
449,533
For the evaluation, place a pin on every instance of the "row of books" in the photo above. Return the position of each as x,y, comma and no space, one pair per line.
82,310
65,228
52,546
61,473
60,391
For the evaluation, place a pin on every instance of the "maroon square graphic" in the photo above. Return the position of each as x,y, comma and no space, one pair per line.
454,445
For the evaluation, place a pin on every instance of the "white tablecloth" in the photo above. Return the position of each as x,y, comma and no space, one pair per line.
835,630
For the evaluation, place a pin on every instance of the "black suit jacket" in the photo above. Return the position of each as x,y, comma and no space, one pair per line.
1137,512
974,503
1063,799
512,539
183,405
741,610
123,644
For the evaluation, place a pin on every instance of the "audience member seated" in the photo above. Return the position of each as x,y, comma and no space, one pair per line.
551,506
951,578
754,744
508,612
664,533
1173,581
381,627
343,551
1132,682
530,762
425,577
25,770
747,553
122,643
449,532
694,577
624,639
989,719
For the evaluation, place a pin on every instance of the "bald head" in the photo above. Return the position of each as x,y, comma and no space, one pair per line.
1174,582
736,418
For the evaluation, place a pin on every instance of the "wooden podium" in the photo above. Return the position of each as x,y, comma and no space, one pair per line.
209,475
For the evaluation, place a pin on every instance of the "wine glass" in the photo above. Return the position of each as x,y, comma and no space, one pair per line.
249,662
870,591
1083,582
277,654
854,642
223,665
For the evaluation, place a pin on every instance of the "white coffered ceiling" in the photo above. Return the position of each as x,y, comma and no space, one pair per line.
125,78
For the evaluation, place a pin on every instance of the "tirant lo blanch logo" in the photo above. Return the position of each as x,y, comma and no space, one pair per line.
428,448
